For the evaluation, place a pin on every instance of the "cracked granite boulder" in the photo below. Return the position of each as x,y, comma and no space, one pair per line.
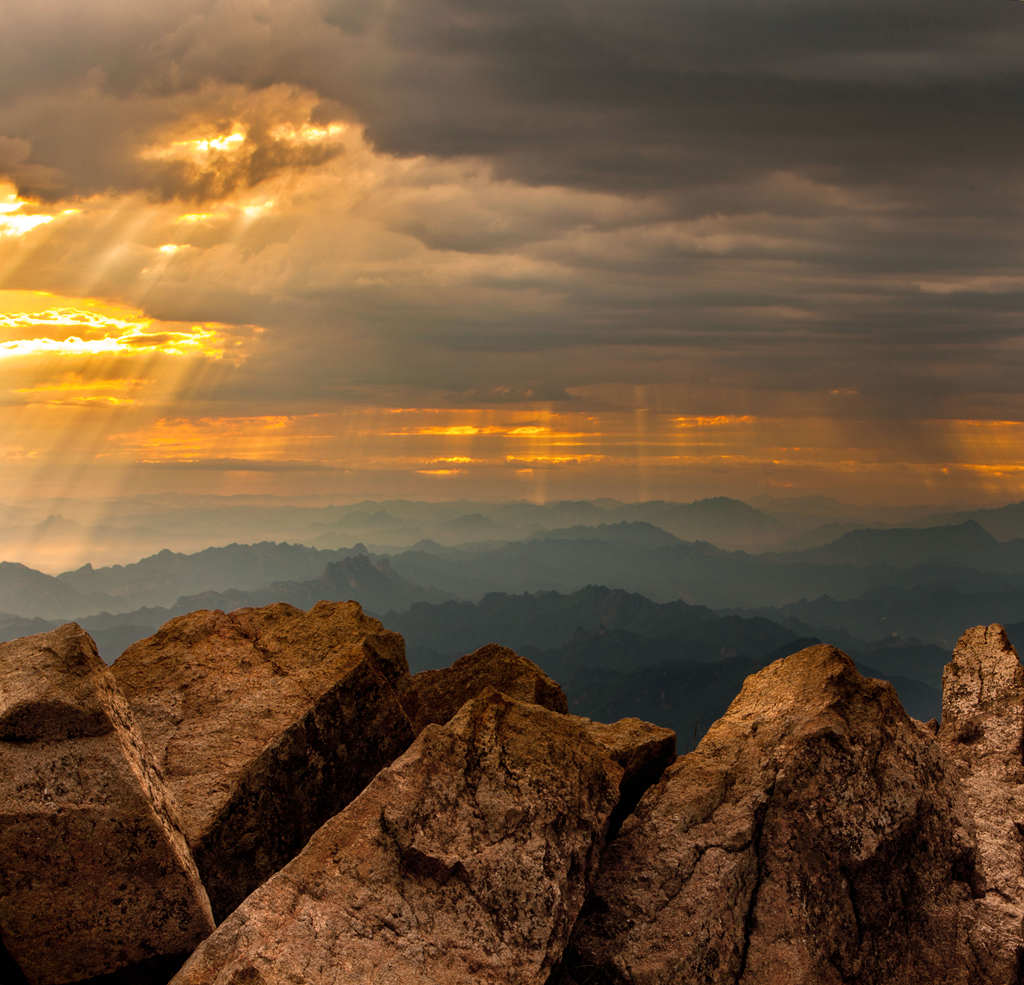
433,696
810,839
982,736
96,877
265,722
463,863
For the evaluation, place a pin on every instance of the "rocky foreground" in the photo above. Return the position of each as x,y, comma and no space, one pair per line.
268,797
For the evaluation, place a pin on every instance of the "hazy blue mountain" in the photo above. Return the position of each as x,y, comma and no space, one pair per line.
935,614
28,593
640,558
617,653
399,523
720,520
371,582
1003,522
13,627
436,633
968,544
163,577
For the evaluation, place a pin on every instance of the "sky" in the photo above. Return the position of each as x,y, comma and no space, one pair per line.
440,249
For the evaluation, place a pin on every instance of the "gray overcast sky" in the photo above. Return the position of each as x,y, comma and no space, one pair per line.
530,249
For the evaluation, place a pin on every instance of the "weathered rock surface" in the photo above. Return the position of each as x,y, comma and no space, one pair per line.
433,696
982,734
644,751
265,723
95,873
810,839
463,863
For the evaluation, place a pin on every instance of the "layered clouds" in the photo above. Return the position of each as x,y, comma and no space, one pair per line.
376,241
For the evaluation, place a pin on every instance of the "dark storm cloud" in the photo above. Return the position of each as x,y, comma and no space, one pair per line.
729,197
663,94
643,95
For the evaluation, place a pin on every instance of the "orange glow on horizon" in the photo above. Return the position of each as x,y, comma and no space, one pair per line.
720,420
267,438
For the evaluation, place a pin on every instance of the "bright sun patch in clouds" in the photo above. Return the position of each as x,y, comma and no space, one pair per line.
54,326
18,217
195,149
307,133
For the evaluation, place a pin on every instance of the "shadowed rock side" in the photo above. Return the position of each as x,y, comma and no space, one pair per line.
95,874
433,696
464,862
644,751
808,840
982,736
265,722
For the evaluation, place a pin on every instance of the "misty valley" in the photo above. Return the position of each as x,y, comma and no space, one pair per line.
655,610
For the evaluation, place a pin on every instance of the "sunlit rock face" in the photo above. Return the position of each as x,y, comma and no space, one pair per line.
982,736
816,836
95,874
812,837
265,723
433,696
466,861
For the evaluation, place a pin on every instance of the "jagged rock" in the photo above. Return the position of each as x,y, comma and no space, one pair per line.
265,722
982,735
810,839
644,751
463,863
436,695
95,873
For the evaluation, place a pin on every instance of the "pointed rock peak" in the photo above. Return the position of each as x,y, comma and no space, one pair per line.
983,690
95,875
465,862
53,686
265,723
808,839
803,685
433,696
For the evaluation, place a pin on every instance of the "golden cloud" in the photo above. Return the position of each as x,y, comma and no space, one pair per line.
272,130
87,327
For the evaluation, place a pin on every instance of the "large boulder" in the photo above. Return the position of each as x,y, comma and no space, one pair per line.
982,736
96,877
810,839
265,723
463,863
433,696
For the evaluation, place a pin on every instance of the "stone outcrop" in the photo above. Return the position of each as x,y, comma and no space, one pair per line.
463,863
433,696
982,735
816,836
96,877
265,723
810,839
644,751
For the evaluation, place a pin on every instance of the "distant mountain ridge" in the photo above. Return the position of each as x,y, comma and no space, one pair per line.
152,580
